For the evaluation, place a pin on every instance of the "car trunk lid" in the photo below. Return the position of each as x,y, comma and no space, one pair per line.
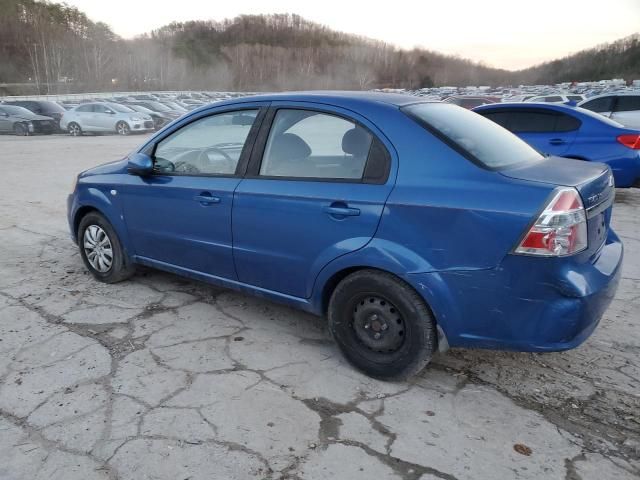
593,181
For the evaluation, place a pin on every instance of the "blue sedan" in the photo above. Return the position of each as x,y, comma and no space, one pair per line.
572,132
412,225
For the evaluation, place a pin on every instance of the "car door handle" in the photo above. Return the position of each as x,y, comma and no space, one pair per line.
557,141
206,198
340,211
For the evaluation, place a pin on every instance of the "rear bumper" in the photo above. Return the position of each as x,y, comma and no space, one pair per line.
530,304
626,171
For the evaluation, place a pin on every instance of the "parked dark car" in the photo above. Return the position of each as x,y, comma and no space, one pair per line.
412,225
160,119
156,107
20,121
41,107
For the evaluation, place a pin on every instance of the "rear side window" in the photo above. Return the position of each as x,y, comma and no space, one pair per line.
599,105
532,121
85,108
566,123
553,98
476,137
310,144
628,103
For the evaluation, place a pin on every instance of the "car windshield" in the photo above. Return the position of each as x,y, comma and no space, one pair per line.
51,107
12,110
158,107
480,139
140,108
120,108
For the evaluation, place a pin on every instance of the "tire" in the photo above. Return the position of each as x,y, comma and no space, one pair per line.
74,129
122,128
20,129
395,312
92,230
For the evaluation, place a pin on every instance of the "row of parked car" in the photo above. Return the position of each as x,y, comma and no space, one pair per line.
121,115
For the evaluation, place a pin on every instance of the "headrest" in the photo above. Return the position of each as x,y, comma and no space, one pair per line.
356,142
289,146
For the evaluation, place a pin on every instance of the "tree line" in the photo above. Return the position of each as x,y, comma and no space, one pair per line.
48,47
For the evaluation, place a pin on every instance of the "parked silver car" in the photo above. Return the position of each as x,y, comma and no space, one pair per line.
105,117
624,108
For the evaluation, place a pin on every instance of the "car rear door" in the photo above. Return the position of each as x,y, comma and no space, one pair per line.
549,132
315,189
180,216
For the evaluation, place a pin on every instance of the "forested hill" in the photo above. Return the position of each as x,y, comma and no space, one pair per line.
620,59
57,49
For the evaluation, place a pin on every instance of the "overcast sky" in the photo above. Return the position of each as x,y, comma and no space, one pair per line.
509,34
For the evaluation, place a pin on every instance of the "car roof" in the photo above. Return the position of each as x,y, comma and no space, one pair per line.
338,98
611,94
558,107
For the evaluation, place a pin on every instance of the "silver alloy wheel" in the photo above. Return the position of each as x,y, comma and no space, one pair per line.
122,128
74,129
97,248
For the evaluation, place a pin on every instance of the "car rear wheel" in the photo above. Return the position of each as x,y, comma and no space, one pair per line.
74,129
20,129
101,249
381,325
122,128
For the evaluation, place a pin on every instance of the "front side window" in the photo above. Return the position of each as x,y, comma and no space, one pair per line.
208,146
473,135
628,103
310,144
85,108
553,99
97,108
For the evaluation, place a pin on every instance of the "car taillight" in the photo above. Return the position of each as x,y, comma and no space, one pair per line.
630,140
561,229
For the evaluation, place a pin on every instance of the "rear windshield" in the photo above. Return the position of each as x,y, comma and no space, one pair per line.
476,137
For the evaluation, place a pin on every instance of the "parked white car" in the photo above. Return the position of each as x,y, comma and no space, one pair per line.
105,117
624,108
556,98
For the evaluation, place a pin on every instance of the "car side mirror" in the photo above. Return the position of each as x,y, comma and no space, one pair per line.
4,114
140,164
111,112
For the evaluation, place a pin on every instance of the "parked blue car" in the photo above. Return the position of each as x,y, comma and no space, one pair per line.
572,132
411,225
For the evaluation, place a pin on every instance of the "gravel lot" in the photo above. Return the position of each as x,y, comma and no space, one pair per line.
165,378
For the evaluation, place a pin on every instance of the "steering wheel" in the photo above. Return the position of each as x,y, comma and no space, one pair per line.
204,157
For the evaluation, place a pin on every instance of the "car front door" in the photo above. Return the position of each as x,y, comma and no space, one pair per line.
316,188
180,216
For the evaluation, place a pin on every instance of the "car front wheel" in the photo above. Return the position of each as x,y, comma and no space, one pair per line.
122,128
382,325
101,249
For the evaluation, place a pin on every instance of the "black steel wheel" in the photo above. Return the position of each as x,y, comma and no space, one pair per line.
382,325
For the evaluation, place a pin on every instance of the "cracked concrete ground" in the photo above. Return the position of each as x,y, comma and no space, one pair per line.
165,378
